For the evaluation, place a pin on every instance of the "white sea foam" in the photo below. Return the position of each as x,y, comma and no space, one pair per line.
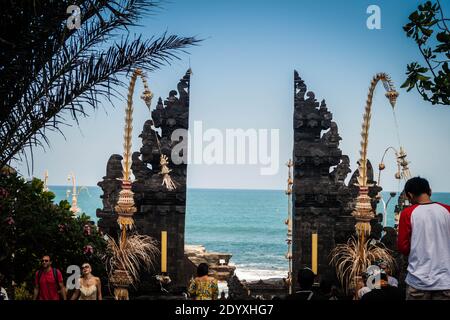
259,274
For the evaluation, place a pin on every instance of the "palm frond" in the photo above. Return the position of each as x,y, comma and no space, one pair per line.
138,253
353,258
53,74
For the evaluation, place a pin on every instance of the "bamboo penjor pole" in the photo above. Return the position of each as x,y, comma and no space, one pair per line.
354,257
288,222
125,205
125,271
363,210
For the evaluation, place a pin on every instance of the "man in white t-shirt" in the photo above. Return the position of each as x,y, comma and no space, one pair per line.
424,236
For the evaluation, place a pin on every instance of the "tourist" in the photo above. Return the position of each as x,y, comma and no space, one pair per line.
203,287
305,280
424,236
383,269
3,293
90,287
382,291
328,288
384,266
376,228
49,282
396,220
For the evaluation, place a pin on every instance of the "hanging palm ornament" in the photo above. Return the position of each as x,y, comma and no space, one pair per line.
125,206
358,254
363,210
402,173
133,251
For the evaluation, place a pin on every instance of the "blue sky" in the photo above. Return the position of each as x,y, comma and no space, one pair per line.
243,78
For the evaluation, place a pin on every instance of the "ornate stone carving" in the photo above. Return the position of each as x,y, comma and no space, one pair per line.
322,202
340,172
157,209
111,187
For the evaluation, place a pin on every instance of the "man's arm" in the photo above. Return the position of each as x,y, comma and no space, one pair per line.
61,285
405,231
36,293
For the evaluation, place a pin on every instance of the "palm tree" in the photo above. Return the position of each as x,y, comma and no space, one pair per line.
50,73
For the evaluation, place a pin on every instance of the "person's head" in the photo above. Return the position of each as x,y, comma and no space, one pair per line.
416,189
46,261
383,266
222,294
305,278
86,269
202,270
377,276
380,217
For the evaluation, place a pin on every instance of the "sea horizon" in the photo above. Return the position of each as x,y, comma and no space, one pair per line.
225,188
246,223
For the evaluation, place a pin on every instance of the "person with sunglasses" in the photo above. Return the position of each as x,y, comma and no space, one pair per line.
90,287
49,282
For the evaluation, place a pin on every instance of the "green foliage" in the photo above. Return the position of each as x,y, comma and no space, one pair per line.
31,225
22,292
431,81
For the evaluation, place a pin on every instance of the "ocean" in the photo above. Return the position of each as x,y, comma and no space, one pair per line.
249,224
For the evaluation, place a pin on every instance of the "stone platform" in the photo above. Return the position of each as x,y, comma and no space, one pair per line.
218,262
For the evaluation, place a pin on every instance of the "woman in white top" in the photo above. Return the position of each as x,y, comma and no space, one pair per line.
90,286
3,294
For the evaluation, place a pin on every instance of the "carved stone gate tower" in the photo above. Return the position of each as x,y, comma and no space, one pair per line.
319,191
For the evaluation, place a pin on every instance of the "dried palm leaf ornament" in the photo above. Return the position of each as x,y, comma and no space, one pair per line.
354,257
133,251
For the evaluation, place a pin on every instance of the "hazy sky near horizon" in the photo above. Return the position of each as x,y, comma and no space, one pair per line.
243,78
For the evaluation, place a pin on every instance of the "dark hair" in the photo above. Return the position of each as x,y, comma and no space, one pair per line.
380,217
202,270
417,186
364,276
305,278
